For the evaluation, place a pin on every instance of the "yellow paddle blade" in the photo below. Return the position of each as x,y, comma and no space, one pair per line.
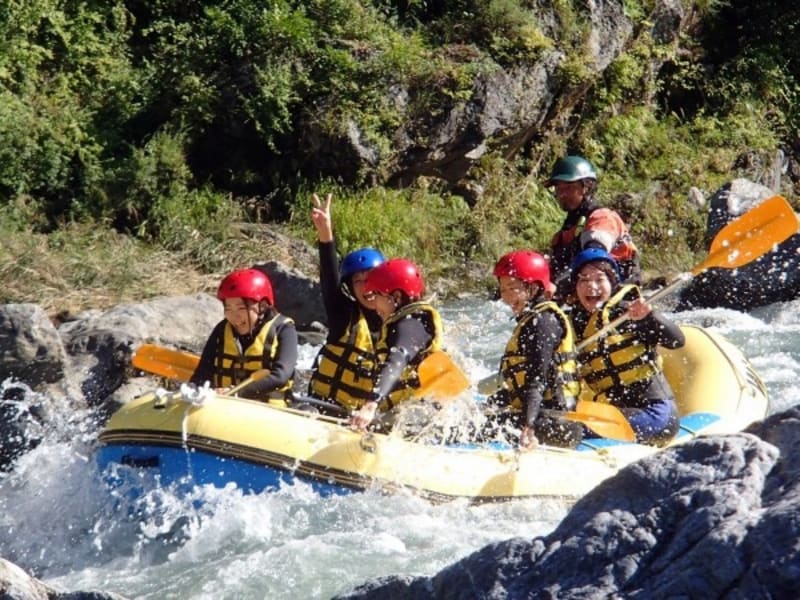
440,377
604,419
751,235
165,362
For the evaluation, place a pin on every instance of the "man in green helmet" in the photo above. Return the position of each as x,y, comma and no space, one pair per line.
587,224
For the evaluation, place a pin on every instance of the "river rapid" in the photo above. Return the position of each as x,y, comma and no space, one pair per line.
58,522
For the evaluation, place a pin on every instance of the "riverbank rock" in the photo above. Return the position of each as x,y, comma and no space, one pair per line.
84,361
713,518
774,277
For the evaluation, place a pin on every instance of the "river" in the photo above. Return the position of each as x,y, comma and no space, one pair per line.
59,523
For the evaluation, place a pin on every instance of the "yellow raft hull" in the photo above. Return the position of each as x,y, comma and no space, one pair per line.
717,388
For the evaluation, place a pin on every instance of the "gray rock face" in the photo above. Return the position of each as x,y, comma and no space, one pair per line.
30,347
774,277
714,518
505,108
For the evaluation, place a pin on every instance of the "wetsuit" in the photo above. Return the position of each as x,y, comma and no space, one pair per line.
407,337
344,368
539,372
591,226
623,368
275,336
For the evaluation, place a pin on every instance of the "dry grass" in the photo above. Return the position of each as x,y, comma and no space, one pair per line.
83,266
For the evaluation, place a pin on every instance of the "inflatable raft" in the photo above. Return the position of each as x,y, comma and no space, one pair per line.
258,446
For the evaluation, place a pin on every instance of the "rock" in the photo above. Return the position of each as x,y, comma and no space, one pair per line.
774,277
505,109
711,518
295,294
30,347
16,584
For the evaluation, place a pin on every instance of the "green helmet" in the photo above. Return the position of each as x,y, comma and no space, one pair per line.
571,168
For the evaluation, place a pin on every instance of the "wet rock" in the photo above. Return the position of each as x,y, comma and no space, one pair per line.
774,277
30,346
16,584
712,518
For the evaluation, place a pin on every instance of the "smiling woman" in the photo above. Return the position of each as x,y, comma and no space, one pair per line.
253,336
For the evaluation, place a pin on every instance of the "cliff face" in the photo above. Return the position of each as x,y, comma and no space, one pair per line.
507,110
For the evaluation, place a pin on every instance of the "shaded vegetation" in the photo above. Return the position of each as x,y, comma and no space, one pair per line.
137,136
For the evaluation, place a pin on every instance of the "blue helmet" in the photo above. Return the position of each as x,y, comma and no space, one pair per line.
359,260
592,255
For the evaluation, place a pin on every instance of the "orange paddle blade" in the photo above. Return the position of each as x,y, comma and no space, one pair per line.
604,419
165,362
440,377
751,235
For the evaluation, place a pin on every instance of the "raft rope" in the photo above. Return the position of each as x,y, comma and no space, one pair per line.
190,395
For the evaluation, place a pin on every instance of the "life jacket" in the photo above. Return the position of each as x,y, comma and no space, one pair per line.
566,243
345,368
409,382
232,366
563,385
620,358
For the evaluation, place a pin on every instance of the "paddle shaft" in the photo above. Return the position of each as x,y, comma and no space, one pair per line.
325,404
663,292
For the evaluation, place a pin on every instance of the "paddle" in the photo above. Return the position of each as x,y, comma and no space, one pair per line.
440,377
604,419
740,242
166,362
332,407
255,376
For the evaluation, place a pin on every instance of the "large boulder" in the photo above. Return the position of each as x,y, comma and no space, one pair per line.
774,277
712,518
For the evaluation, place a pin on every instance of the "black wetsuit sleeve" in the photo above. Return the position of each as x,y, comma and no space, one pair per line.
406,339
656,329
282,367
338,307
539,340
205,368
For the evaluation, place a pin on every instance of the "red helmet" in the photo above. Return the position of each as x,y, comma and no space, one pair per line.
527,265
246,283
395,274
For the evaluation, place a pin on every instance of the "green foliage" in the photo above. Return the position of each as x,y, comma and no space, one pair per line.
163,207
515,211
437,231
162,118
65,86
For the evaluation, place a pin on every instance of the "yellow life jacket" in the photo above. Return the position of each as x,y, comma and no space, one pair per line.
232,366
618,359
408,382
344,368
563,386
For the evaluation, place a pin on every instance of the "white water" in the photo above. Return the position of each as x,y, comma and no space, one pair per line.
59,523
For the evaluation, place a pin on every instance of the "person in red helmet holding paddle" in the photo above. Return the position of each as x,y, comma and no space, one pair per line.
412,329
587,224
538,368
253,336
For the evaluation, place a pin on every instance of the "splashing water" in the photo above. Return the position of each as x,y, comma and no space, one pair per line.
58,520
